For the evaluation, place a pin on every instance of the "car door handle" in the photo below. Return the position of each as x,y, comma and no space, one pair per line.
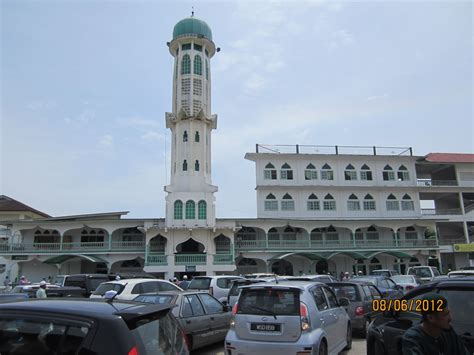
188,322
212,318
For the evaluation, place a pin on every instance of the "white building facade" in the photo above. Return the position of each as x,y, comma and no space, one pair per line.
319,209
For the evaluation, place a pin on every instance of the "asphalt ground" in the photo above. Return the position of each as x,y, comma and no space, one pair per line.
358,348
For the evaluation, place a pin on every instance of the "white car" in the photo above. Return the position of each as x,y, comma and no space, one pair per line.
131,288
424,273
218,286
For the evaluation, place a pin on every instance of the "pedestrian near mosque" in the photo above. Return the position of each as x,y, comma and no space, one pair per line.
41,293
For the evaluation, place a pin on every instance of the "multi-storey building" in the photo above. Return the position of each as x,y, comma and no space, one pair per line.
319,209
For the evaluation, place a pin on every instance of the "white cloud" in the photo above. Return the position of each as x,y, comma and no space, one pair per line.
254,83
153,136
376,97
106,140
341,38
138,122
40,105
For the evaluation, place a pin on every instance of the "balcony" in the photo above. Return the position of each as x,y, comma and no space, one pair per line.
69,248
287,245
436,183
223,259
157,260
190,259
440,212
452,240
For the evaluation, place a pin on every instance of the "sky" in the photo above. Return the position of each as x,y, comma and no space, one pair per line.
85,86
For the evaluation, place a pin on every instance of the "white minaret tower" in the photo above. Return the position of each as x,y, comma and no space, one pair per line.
190,200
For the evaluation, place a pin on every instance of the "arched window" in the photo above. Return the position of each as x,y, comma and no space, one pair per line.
185,136
329,204
178,209
222,244
327,173
196,137
353,203
287,204
388,173
331,235
271,204
185,165
190,209
202,212
197,65
313,203
392,203
196,165
365,173
407,203
372,234
369,203
359,235
403,174
411,233
269,173
273,234
316,236
289,233
350,173
310,173
286,173
186,64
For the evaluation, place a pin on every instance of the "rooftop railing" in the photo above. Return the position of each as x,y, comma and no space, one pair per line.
442,212
435,183
331,150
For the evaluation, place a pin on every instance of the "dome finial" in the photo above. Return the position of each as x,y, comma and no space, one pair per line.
192,12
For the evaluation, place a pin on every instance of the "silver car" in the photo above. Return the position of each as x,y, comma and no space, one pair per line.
408,282
218,286
203,318
289,318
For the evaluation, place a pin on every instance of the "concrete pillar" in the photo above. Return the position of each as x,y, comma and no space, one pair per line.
466,231
461,203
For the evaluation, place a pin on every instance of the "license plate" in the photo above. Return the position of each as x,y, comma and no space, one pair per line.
265,327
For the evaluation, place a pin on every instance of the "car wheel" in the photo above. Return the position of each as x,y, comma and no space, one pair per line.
323,348
348,338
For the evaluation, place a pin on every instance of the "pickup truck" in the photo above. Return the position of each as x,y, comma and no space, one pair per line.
87,282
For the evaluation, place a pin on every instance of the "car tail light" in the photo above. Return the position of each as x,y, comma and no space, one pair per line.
133,351
359,311
211,291
305,324
234,309
409,287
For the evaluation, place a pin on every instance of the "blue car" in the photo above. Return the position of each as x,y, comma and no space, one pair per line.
387,287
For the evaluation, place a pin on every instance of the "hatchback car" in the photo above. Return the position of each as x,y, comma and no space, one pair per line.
204,319
288,318
218,286
360,295
236,288
83,326
384,336
408,282
385,285
129,289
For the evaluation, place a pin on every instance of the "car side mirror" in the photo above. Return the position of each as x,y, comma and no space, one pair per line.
225,308
343,302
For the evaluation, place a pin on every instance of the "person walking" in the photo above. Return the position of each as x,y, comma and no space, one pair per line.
434,335
6,283
185,283
41,293
23,280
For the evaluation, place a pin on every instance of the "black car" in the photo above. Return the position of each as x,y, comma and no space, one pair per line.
86,327
387,287
384,336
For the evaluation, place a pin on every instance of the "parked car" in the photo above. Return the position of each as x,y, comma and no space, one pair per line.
218,286
129,289
315,278
60,279
385,285
461,273
236,288
203,318
408,282
424,273
88,282
385,272
288,318
85,326
360,295
385,333
258,275
7,297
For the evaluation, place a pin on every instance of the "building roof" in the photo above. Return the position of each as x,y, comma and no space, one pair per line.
449,158
8,204
192,26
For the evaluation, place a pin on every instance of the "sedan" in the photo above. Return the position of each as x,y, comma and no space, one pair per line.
204,319
129,289
386,286
408,282
384,336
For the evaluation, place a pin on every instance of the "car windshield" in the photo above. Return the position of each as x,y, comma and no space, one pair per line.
421,272
347,291
403,279
201,283
381,272
58,280
159,337
103,288
366,279
269,301
157,299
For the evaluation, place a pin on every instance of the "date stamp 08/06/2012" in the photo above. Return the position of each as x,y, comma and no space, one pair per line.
419,305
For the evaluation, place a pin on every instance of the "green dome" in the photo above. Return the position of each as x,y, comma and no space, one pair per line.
192,26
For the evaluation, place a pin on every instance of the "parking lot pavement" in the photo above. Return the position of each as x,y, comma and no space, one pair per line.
358,348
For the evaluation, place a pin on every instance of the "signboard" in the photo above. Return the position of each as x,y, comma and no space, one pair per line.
20,257
464,248
190,268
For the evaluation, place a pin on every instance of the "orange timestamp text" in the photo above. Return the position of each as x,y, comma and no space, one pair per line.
408,305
